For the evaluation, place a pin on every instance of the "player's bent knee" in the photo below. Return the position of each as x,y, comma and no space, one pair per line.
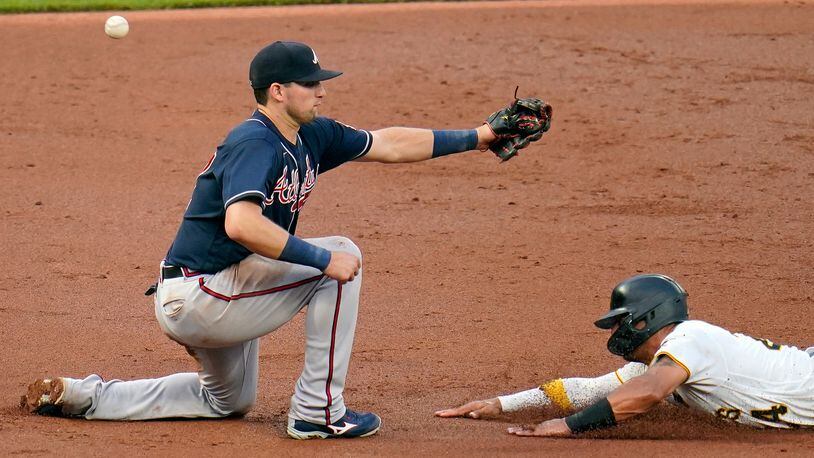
233,405
227,410
347,245
244,408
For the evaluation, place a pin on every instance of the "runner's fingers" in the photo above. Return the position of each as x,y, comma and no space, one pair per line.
458,411
473,409
522,430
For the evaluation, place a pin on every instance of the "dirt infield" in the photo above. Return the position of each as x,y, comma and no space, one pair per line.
682,143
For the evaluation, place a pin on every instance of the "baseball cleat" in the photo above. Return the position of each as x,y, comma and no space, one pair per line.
44,396
353,424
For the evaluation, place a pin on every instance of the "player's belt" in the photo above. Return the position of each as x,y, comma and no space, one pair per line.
168,272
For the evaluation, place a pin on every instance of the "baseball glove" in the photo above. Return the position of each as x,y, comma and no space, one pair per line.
508,148
522,122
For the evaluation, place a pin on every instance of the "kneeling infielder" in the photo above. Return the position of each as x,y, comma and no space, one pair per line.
236,272
689,362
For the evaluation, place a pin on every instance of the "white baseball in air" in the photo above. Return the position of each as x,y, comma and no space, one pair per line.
116,27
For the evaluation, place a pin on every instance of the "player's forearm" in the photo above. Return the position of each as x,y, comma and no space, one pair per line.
565,394
572,393
642,393
634,398
407,144
401,144
246,225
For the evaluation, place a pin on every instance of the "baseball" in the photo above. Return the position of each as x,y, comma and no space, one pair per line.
116,27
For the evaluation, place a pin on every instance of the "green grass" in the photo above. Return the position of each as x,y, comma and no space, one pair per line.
31,6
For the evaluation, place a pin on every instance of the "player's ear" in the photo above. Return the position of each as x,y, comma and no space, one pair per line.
276,92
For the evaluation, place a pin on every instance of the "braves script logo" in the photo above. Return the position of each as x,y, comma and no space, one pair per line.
287,188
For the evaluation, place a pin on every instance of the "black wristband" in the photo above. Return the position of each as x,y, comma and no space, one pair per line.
597,416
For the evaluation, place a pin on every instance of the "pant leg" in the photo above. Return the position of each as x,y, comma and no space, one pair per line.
228,376
217,317
225,385
330,326
222,335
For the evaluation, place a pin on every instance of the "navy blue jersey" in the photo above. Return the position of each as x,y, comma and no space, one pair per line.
257,163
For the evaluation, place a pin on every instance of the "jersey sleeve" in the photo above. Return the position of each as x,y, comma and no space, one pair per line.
247,171
340,143
629,371
696,353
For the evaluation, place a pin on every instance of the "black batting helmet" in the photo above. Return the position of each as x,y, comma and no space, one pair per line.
641,306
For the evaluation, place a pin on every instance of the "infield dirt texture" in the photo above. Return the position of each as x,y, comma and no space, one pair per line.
682,143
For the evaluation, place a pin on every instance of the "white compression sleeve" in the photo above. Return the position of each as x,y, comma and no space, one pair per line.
571,393
534,397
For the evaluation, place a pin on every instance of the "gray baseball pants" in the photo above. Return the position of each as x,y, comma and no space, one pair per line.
219,319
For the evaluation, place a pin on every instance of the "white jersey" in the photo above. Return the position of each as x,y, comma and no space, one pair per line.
737,377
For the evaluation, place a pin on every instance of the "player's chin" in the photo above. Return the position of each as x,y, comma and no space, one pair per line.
307,117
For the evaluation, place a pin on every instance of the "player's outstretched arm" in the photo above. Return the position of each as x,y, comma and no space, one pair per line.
505,132
566,394
407,144
633,398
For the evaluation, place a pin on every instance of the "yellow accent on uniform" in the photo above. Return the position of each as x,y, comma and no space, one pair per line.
555,390
675,360
618,377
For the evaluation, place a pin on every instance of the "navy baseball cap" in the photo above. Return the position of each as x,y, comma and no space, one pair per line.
284,62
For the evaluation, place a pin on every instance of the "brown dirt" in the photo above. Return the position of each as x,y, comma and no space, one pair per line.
683,143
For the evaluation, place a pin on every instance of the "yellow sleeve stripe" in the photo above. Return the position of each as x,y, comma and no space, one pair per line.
675,360
555,390
618,377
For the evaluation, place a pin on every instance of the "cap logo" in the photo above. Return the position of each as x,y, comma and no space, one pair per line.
316,60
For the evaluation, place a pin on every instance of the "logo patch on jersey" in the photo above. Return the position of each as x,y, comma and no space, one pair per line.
287,188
